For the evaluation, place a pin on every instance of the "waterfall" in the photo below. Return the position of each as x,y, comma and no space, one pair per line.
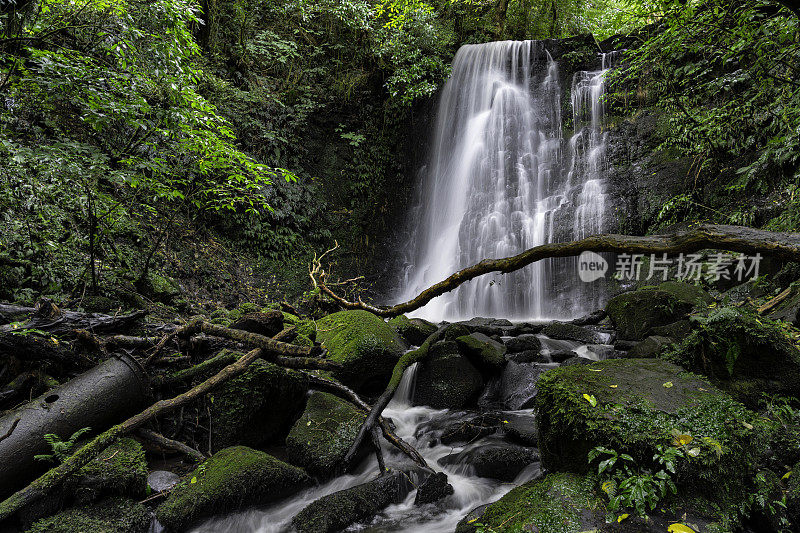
501,178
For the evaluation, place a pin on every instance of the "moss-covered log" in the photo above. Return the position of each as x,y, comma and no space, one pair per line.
695,237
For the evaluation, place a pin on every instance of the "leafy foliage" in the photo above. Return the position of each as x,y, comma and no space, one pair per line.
61,449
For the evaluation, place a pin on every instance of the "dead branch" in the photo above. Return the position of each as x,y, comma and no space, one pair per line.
695,237
170,444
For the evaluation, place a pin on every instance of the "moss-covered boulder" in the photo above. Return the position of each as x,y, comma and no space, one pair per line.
232,479
113,515
557,503
336,511
635,405
636,313
319,440
689,293
120,469
652,346
500,461
446,379
256,408
566,331
745,354
365,346
413,330
304,326
485,353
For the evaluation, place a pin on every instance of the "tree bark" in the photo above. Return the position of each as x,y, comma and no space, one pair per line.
695,237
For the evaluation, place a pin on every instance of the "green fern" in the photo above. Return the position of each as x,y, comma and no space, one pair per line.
61,449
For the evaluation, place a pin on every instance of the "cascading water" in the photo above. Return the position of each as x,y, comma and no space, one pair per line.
502,179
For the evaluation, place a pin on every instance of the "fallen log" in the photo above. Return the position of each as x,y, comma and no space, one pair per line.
30,347
51,479
170,444
49,318
696,237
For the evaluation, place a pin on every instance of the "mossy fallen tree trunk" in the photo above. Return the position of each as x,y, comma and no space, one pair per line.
695,237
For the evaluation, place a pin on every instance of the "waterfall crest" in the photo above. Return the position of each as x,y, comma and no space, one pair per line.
501,178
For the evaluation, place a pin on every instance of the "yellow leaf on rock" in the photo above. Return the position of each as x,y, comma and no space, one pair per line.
194,480
622,517
591,399
680,528
668,384
613,386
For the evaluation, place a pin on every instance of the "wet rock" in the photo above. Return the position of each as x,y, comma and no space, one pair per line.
232,479
524,343
577,361
689,293
256,408
446,379
413,330
470,429
365,346
487,354
523,328
496,460
521,428
487,326
597,352
465,524
336,511
592,318
652,346
161,480
112,515
433,488
624,346
119,470
532,356
559,356
491,392
320,439
636,313
677,330
268,323
454,331
566,331
518,384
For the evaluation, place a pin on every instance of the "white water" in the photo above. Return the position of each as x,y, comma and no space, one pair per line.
470,491
502,179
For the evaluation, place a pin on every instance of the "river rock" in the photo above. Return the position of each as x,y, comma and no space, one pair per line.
485,353
559,356
320,439
256,408
530,356
433,488
446,379
566,331
676,331
161,480
365,346
268,323
488,326
636,313
120,469
518,384
577,360
336,511
414,330
112,515
231,480
652,346
524,343
521,428
500,461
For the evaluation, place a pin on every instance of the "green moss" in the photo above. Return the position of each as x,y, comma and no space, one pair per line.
745,354
557,503
258,407
687,292
114,515
232,479
365,346
486,353
302,340
319,440
635,313
649,400
415,331
120,469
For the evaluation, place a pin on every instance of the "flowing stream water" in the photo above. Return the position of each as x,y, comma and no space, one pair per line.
502,178
470,491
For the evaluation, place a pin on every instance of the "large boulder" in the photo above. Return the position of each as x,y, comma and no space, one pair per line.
365,346
232,479
446,379
636,313
120,469
256,408
518,384
336,511
413,330
557,503
637,405
494,460
320,439
112,515
744,354
566,331
652,346
485,353
523,343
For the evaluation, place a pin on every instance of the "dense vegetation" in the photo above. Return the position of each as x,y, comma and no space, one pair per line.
190,134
